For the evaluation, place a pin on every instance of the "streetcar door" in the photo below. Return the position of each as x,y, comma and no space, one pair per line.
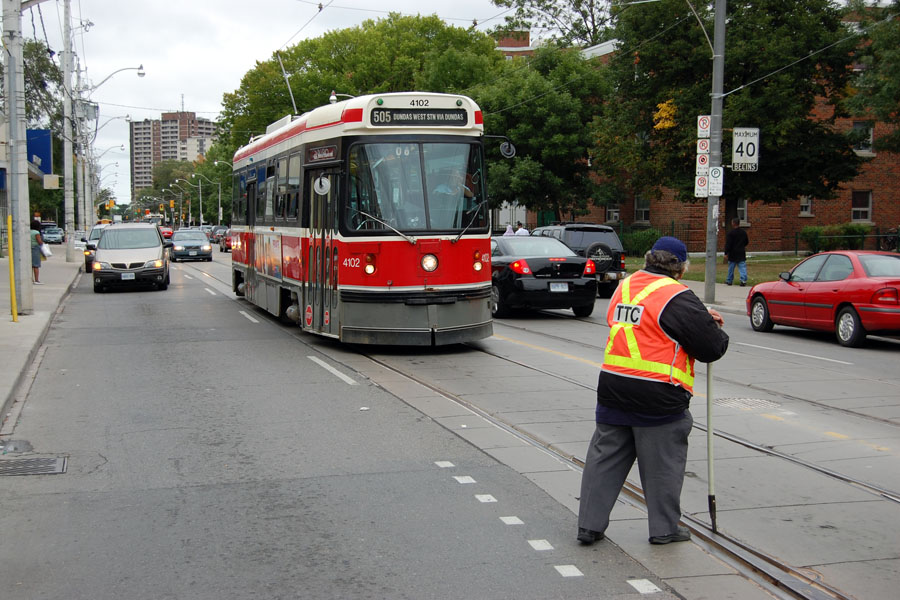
321,276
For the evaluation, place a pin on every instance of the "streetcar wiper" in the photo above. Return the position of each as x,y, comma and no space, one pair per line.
408,238
475,210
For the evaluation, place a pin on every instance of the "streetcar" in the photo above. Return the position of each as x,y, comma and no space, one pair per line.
366,220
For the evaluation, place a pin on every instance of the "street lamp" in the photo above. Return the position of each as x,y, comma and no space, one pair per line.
139,69
181,193
218,183
200,195
120,147
223,162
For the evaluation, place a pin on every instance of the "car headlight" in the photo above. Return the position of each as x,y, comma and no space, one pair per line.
153,264
98,266
178,248
206,248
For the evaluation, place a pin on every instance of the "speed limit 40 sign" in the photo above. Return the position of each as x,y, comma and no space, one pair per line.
745,149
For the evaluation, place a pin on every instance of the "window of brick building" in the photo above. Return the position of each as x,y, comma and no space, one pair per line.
864,129
861,206
641,208
612,213
806,206
742,211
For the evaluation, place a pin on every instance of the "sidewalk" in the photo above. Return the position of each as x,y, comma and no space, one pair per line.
20,341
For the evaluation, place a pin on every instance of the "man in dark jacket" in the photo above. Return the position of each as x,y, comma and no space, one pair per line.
658,326
736,242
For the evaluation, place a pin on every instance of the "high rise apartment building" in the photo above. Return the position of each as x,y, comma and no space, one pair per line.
174,136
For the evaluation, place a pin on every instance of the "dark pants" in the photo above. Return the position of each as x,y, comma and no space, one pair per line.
661,452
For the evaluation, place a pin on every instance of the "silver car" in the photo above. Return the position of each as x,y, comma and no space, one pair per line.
131,254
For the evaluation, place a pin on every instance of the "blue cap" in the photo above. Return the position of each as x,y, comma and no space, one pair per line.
673,245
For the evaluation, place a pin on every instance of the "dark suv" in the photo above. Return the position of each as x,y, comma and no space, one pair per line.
600,243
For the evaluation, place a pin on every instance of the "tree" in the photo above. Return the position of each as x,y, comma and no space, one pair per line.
570,22
545,105
646,134
388,55
876,90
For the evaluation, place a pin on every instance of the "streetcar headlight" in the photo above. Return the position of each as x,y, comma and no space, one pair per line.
477,265
477,261
370,264
429,262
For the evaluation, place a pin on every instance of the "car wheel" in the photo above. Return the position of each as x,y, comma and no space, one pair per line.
583,311
759,315
498,309
849,329
173,259
209,259
601,254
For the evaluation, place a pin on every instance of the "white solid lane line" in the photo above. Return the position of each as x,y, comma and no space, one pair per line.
332,370
842,362
210,291
249,318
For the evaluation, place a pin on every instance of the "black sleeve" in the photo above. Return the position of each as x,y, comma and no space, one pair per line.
688,322
728,243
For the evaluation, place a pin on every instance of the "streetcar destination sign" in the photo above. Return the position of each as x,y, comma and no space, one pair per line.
415,117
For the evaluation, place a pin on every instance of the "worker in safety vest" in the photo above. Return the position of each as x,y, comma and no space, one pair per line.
658,327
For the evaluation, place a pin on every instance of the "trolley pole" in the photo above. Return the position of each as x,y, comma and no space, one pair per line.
715,150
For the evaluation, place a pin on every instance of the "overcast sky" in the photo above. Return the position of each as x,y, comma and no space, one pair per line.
194,51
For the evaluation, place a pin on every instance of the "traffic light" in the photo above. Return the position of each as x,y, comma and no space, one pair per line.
172,203
161,207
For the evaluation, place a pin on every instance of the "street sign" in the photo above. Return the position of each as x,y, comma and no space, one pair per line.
703,123
702,164
716,181
745,149
701,183
703,146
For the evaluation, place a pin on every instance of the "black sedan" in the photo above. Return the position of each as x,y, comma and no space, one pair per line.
540,272
190,244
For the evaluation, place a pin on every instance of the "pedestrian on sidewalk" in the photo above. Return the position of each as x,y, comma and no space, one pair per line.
736,242
520,229
658,327
36,241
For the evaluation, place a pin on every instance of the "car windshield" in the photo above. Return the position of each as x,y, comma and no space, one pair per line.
126,239
413,187
95,233
55,230
533,246
582,238
181,236
881,265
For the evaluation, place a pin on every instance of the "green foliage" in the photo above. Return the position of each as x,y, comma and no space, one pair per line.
545,105
665,59
388,55
848,236
637,242
876,88
570,22
43,87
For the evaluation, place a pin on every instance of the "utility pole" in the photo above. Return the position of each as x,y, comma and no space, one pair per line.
715,150
68,171
19,205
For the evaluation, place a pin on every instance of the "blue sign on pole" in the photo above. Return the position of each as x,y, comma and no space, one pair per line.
40,149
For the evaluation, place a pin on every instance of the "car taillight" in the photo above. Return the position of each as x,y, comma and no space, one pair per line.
590,268
622,261
520,267
886,295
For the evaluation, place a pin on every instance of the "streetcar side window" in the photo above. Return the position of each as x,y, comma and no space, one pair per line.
281,187
293,185
239,198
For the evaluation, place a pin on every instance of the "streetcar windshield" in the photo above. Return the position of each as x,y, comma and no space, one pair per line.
415,187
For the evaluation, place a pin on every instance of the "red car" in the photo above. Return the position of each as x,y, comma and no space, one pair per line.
850,292
166,232
225,242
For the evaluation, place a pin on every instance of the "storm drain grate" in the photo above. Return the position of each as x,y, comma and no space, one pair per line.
32,466
747,403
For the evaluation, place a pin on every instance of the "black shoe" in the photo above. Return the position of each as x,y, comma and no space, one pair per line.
588,537
682,535
727,283
743,283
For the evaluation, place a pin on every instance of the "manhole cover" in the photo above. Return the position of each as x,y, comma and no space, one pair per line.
32,466
747,403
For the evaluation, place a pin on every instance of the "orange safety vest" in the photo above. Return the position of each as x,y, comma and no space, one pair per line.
638,346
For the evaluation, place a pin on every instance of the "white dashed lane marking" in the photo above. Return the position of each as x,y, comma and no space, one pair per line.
463,479
332,370
210,291
485,498
512,520
444,464
568,571
249,318
644,586
186,276
540,545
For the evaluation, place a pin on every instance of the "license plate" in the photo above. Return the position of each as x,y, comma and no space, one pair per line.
559,287
192,253
127,276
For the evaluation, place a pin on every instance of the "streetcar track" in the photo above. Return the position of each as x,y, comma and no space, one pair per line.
769,572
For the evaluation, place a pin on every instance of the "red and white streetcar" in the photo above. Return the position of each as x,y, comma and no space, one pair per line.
366,220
